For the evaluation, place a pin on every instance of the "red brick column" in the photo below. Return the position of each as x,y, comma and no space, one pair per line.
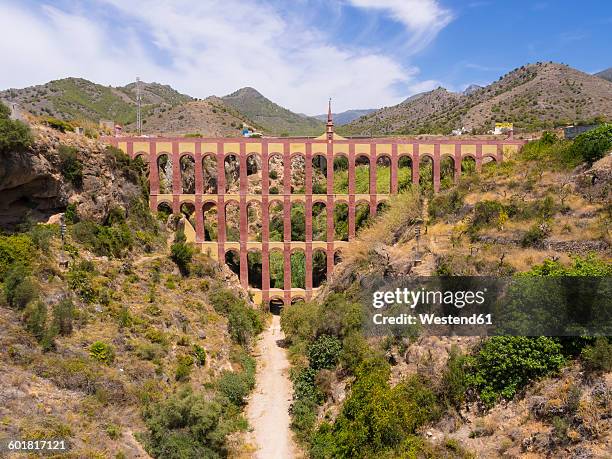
479,158
457,162
130,149
436,168
416,159
394,186
153,171
351,190
244,224
265,228
287,222
176,178
199,178
221,232
308,219
373,190
330,207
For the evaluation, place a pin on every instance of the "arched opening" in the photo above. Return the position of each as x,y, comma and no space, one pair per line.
254,221
209,175
298,175
319,221
341,178
141,163
362,214
298,222
232,260
296,300
488,163
362,174
254,173
276,305
187,174
468,165
319,267
341,221
337,257
254,264
164,172
209,212
232,174
319,174
382,207
383,174
277,269
164,210
426,173
188,211
232,222
447,172
277,225
404,173
275,174
298,269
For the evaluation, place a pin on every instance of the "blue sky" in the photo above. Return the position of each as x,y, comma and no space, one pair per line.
362,53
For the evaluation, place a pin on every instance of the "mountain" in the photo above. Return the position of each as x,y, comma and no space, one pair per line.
272,117
470,89
80,99
210,117
346,116
605,74
533,97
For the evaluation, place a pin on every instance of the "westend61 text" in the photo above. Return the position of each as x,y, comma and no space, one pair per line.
432,319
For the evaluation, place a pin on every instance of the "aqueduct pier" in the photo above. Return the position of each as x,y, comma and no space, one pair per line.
312,152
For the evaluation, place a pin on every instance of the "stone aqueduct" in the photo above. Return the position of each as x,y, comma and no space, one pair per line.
329,146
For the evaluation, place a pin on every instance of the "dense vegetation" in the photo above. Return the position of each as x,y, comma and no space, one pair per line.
14,135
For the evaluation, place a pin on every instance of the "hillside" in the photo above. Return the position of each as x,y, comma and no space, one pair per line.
346,116
533,97
210,117
605,74
272,117
80,99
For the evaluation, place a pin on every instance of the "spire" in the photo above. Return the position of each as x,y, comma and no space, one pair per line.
330,122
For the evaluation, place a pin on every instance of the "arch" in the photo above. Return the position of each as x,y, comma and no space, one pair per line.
468,165
447,172
298,174
164,210
276,261
187,164
232,221
319,174
276,305
382,207
319,267
298,269
141,163
232,260
341,174
341,212
209,214
253,170
383,174
276,225
298,221
188,211
338,257
488,162
319,221
362,214
254,224
164,172
297,299
275,173
232,173
362,174
426,177
404,173
209,174
254,268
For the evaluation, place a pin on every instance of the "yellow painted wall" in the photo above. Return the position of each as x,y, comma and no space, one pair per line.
275,148
297,148
209,148
383,149
468,149
426,149
447,149
341,148
164,147
122,146
141,147
186,147
362,148
319,149
489,149
253,148
404,148
231,148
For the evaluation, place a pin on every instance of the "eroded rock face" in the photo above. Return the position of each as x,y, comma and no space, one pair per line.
595,184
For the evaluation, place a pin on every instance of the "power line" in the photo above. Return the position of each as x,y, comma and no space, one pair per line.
138,109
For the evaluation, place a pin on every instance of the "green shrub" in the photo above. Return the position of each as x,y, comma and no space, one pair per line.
15,249
594,144
182,254
324,352
19,287
200,354
58,125
535,235
14,135
244,323
598,357
111,241
183,367
486,213
102,352
445,204
506,364
235,386
41,235
454,382
79,280
70,214
63,315
71,166
35,318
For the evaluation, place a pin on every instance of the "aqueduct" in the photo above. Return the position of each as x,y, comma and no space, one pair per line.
236,175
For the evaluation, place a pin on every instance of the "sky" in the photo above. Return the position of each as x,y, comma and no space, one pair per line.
298,53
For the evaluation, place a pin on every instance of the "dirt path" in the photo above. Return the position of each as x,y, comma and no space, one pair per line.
268,409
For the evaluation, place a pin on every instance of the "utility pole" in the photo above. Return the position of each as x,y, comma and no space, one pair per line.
138,108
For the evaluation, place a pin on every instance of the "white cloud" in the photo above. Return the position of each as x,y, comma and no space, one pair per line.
423,19
202,48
